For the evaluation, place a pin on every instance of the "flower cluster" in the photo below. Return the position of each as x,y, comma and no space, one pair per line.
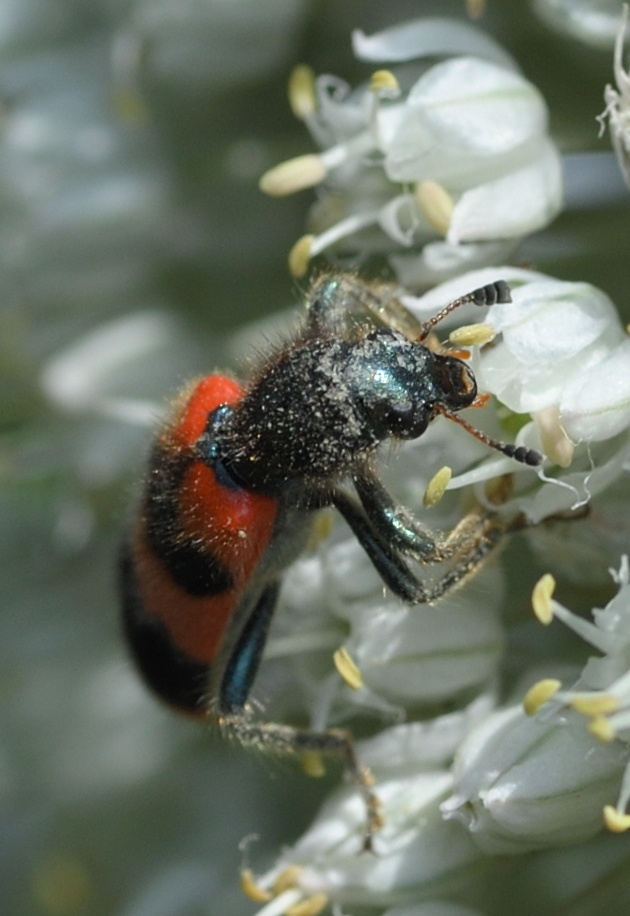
457,150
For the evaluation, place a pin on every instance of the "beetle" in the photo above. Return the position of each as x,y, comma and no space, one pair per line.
236,474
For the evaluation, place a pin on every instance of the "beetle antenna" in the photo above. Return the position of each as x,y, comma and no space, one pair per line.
499,291
525,455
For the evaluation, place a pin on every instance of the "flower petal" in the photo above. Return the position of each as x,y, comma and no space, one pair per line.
595,405
515,204
465,115
427,37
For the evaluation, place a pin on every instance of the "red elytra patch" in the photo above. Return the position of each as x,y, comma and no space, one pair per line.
196,624
206,396
233,524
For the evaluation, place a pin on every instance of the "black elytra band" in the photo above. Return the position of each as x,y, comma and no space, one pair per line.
172,674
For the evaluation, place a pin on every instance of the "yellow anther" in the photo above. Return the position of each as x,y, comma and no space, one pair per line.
472,335
594,704
601,728
538,695
556,444
252,890
300,255
541,598
347,668
436,204
301,89
312,764
384,80
436,487
287,879
616,821
293,175
310,907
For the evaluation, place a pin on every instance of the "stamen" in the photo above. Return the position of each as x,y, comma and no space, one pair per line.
253,890
300,255
470,335
538,695
594,704
616,821
437,487
436,204
301,89
605,642
541,598
384,81
602,729
281,904
347,668
293,175
288,877
311,245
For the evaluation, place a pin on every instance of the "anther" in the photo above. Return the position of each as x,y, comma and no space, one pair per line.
539,694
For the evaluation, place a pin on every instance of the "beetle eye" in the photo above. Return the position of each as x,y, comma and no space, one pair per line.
401,419
458,383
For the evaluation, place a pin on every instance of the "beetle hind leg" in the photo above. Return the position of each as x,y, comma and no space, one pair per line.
297,742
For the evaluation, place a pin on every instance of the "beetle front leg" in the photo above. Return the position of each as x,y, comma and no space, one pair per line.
394,523
399,527
475,538
387,561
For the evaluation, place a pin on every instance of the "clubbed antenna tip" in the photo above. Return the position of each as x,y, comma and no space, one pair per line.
524,455
499,291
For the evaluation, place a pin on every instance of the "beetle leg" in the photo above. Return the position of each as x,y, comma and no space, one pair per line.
284,739
393,522
486,532
397,526
245,658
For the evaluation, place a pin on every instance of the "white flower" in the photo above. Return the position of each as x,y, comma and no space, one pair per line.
618,103
602,692
521,783
561,357
460,151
